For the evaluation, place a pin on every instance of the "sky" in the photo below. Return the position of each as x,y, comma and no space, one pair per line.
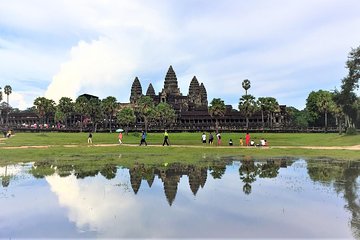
64,48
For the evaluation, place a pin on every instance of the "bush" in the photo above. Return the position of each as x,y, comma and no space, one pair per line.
351,131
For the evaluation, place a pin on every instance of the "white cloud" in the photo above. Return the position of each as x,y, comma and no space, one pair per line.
99,46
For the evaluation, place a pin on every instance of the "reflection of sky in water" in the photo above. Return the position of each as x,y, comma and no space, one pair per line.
290,205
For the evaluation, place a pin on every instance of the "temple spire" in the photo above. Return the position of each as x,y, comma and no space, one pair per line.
150,91
171,83
203,95
136,91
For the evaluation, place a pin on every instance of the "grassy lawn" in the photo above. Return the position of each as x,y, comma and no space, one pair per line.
155,155
194,139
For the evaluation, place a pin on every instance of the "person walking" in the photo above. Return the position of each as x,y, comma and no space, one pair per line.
143,138
90,138
211,139
166,138
120,138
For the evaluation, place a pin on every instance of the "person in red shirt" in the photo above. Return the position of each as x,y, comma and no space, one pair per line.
247,139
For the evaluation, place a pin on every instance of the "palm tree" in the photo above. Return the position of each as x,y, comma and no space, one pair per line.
269,105
126,116
247,104
7,91
45,107
109,105
262,103
95,112
325,104
217,109
82,108
146,109
165,114
65,108
246,85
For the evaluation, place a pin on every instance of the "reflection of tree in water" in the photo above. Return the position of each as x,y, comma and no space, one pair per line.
5,180
42,169
344,176
109,171
217,171
48,168
248,171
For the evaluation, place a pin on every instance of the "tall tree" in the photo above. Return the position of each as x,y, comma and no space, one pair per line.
82,108
325,105
126,117
248,105
95,112
269,105
347,96
7,91
246,85
319,104
45,108
165,114
146,109
1,98
65,108
109,106
217,109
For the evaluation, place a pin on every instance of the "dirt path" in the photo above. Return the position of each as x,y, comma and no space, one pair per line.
355,147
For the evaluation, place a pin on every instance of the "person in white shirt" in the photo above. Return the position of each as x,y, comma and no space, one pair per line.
203,137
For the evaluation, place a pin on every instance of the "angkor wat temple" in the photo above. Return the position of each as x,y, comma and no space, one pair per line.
192,110
192,113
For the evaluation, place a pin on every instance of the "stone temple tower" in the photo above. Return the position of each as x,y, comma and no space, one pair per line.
194,92
203,95
136,91
171,84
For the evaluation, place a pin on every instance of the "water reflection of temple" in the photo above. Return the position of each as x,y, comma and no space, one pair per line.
170,176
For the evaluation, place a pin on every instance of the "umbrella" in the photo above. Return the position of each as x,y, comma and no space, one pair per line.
119,130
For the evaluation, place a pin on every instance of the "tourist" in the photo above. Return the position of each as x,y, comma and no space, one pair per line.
143,138
203,137
247,139
120,137
90,138
211,139
230,142
241,143
166,138
218,135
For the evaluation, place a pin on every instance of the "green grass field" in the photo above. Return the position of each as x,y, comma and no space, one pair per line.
187,147
185,138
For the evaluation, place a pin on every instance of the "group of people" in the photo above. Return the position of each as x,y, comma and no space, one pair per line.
248,140
143,138
211,138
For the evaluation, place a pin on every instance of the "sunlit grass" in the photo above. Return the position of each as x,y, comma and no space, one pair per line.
187,147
